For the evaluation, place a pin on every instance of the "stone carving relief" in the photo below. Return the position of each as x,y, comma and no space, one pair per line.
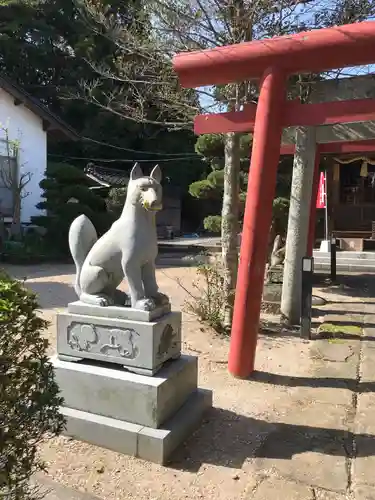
167,341
116,341
130,351
81,339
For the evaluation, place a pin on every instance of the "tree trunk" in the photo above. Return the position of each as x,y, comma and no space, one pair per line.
229,222
298,223
15,228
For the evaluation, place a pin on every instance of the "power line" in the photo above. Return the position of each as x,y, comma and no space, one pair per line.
120,148
123,160
150,160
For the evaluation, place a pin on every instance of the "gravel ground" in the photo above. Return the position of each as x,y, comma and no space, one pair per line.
219,461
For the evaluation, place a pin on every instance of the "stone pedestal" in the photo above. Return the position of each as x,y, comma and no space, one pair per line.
325,246
138,340
275,274
125,385
147,417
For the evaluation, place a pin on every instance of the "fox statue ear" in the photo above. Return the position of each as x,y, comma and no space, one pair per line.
136,172
156,174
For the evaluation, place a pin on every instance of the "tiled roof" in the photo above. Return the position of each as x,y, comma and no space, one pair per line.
108,177
111,177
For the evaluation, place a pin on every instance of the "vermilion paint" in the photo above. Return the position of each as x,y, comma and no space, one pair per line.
257,221
313,51
314,196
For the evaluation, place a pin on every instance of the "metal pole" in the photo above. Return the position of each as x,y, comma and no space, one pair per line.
314,195
326,207
333,259
306,296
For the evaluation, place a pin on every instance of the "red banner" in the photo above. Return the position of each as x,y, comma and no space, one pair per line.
322,192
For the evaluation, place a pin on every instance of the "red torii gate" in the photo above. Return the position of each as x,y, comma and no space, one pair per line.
271,60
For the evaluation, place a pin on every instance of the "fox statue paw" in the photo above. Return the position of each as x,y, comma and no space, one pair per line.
145,305
97,300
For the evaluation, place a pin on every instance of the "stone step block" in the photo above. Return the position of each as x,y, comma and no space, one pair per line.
142,347
155,445
113,392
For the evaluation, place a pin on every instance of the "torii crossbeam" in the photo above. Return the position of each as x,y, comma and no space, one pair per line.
272,61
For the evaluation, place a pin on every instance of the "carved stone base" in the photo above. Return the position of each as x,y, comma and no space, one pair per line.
275,274
116,393
140,346
147,417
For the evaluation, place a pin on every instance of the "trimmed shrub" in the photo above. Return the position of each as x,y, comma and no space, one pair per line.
63,183
29,396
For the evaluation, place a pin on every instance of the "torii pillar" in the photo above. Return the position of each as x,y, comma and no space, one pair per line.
272,61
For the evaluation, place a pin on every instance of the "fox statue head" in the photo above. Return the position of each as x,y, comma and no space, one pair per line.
145,191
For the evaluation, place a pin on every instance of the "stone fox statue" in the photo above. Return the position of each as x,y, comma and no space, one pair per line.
128,249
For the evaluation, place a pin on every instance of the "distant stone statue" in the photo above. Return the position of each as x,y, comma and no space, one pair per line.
128,249
278,252
275,268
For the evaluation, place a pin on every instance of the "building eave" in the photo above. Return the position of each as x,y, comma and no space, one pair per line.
51,122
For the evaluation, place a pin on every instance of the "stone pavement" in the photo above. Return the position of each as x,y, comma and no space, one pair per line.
327,452
51,490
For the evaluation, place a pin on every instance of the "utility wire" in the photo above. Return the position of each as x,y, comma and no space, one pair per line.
123,160
138,151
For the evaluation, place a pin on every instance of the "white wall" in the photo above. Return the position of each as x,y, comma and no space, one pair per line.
25,126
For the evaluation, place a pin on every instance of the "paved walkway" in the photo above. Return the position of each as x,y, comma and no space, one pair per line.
329,450
52,490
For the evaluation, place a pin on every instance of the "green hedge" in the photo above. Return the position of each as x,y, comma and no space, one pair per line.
29,396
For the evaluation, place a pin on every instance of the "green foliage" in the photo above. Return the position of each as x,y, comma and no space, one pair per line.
202,189
216,178
55,41
280,211
212,188
63,183
116,200
29,396
207,297
31,249
212,223
210,145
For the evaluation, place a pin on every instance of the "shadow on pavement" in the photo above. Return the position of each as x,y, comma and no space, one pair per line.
330,382
52,294
242,437
39,271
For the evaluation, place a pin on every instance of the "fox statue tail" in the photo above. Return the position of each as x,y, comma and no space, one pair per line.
82,236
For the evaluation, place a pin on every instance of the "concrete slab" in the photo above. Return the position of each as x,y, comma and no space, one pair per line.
343,371
335,352
330,495
314,468
142,347
309,447
368,365
155,445
102,431
116,393
363,492
52,490
282,489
